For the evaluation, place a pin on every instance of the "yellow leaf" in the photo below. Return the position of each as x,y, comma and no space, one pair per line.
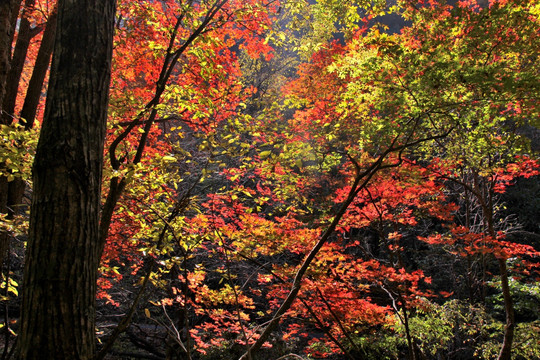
265,154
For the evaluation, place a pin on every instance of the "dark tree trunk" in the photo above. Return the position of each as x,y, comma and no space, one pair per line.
17,64
35,85
508,339
506,348
12,192
9,10
8,15
16,187
57,319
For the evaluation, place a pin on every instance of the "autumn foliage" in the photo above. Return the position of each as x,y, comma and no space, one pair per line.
354,204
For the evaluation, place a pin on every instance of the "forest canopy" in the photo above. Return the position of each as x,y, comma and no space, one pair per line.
264,179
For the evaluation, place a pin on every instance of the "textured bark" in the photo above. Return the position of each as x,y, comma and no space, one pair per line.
4,236
24,36
57,319
9,10
16,187
508,339
35,85
8,17
487,204
11,193
506,348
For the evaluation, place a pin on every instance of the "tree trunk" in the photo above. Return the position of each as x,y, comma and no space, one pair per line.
506,348
57,319
16,187
9,10
35,85
24,36
11,193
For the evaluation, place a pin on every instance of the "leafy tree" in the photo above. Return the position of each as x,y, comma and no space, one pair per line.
495,93
402,87
250,201
63,254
